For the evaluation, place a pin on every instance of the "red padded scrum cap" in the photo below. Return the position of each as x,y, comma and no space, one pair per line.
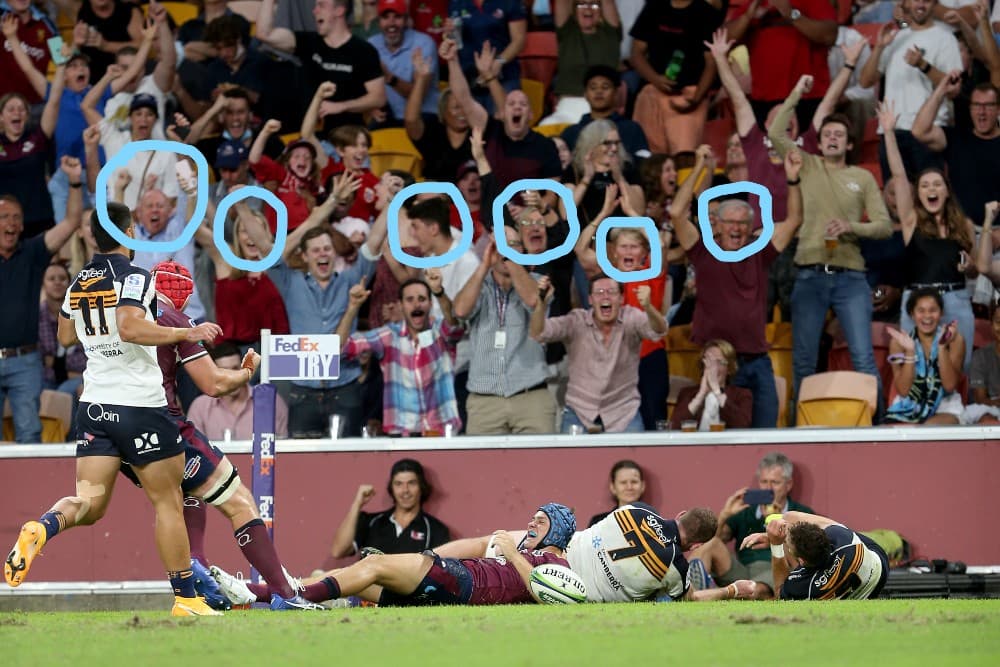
173,281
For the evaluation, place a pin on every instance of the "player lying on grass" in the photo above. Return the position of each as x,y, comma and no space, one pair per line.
209,475
830,561
430,579
635,554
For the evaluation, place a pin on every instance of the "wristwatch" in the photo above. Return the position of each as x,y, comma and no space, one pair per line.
795,15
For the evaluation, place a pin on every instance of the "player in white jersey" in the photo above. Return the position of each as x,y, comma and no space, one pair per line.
122,414
635,554
831,561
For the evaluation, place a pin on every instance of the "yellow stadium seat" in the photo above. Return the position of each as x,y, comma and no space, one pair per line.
392,149
290,137
837,398
683,355
56,413
180,12
553,130
535,90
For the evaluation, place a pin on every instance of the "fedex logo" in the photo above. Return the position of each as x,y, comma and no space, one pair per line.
265,505
266,454
301,344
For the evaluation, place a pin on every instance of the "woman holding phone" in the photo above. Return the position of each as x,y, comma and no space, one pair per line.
938,238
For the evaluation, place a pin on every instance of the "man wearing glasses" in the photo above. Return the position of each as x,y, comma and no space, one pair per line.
603,349
972,153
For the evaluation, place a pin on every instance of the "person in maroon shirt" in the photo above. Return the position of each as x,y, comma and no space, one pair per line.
34,29
731,301
429,579
209,477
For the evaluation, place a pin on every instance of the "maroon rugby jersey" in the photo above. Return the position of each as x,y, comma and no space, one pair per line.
496,581
170,356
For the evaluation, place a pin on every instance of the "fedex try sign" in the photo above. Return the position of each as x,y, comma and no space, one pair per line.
304,357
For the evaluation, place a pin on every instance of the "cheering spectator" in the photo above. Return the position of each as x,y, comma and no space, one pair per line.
972,155
331,54
231,114
442,139
588,34
295,177
715,400
668,52
397,46
830,265
603,344
415,356
731,300
926,365
499,23
914,60
63,366
31,28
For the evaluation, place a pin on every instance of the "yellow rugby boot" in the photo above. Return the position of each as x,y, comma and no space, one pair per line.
192,607
29,544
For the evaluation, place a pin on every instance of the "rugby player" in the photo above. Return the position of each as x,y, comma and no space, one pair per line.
430,579
122,414
830,561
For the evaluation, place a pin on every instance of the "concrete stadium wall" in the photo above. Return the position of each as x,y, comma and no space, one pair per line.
940,494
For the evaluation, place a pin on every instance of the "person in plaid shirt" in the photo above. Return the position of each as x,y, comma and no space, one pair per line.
416,356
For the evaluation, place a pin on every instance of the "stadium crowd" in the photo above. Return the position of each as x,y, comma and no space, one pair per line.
874,126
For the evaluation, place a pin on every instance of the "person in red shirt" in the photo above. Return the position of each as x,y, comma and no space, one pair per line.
34,29
787,39
352,143
295,177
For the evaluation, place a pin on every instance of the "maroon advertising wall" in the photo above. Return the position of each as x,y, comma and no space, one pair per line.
942,496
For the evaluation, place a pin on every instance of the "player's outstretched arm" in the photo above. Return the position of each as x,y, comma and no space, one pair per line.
215,381
470,547
133,327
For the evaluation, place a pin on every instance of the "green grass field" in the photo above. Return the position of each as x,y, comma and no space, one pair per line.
884,632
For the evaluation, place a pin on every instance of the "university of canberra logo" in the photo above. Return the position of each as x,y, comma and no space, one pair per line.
305,357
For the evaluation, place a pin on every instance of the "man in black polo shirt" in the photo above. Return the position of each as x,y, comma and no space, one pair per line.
403,528
22,267
331,53
513,149
972,154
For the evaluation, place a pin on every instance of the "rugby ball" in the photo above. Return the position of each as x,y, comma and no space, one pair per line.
557,584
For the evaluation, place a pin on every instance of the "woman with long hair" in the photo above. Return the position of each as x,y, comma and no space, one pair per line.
937,234
599,161
926,364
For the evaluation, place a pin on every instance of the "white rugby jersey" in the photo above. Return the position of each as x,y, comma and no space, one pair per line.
117,372
629,555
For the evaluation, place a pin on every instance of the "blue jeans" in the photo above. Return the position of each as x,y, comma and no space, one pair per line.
757,375
957,306
848,293
59,191
309,410
570,418
21,380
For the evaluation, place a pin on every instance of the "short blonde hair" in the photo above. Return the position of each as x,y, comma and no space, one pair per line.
728,352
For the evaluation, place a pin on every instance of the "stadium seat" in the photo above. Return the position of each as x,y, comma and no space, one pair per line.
180,12
535,90
392,149
839,358
677,382
837,398
290,137
56,413
779,336
683,355
553,130
539,58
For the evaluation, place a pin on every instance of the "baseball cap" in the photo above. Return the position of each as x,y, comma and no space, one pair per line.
466,167
398,6
231,154
144,100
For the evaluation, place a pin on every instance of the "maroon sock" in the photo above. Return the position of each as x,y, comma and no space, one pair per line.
259,550
194,519
326,589
262,591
